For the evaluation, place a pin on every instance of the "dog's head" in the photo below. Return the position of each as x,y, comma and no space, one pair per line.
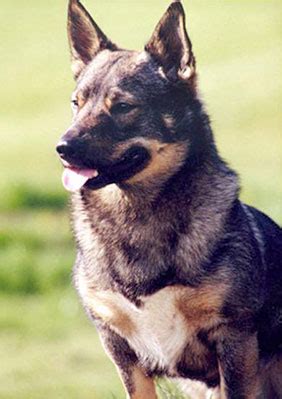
133,111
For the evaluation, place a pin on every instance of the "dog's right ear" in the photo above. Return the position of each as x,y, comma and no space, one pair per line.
170,45
86,39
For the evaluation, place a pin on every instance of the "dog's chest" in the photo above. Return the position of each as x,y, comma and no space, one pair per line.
155,330
160,327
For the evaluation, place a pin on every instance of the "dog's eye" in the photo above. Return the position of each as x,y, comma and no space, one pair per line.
74,104
122,108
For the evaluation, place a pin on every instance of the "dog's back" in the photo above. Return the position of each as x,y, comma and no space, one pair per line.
269,238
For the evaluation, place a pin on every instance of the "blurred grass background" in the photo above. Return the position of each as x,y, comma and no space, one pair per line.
47,346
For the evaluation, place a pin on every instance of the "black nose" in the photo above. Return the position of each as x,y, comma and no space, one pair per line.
64,149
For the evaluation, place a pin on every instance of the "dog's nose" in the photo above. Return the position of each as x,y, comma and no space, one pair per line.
64,149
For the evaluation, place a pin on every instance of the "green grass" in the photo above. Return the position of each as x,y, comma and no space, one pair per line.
47,345
36,252
53,351
49,349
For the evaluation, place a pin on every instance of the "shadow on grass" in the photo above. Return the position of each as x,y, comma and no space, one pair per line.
27,271
25,197
36,251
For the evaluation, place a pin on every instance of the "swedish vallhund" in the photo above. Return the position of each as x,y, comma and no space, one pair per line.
181,279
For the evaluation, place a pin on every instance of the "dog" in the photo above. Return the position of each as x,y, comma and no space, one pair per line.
181,279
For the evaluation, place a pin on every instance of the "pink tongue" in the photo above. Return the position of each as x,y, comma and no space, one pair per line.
74,179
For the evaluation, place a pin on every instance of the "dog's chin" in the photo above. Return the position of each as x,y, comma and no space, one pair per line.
133,161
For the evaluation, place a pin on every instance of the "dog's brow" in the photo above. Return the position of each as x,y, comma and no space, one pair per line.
117,95
91,84
85,92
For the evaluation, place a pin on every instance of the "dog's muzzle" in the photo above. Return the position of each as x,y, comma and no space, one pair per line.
94,174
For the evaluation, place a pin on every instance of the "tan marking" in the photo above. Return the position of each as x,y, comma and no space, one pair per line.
108,103
104,305
166,159
81,100
169,121
201,305
144,387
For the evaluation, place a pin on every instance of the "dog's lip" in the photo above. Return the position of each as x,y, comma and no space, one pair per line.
67,165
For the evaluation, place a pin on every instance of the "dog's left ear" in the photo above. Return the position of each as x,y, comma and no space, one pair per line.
86,39
170,45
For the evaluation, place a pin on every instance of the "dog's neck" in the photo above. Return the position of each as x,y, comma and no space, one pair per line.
188,195
180,227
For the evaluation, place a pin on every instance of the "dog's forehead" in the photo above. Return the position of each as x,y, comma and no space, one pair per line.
109,68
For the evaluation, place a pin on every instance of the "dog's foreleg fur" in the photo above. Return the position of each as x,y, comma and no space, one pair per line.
238,366
137,384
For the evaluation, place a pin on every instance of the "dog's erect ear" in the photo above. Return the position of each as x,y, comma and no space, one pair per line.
85,37
170,45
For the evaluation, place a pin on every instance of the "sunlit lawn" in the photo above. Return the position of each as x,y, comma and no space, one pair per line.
48,348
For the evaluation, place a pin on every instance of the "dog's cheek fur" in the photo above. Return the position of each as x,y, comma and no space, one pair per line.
166,159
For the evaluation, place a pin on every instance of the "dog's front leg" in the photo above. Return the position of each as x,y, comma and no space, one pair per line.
137,384
238,366
141,386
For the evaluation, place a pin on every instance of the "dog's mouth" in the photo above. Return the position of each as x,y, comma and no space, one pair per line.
132,161
75,178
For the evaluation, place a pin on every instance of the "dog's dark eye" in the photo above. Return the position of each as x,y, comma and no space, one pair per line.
74,104
122,108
